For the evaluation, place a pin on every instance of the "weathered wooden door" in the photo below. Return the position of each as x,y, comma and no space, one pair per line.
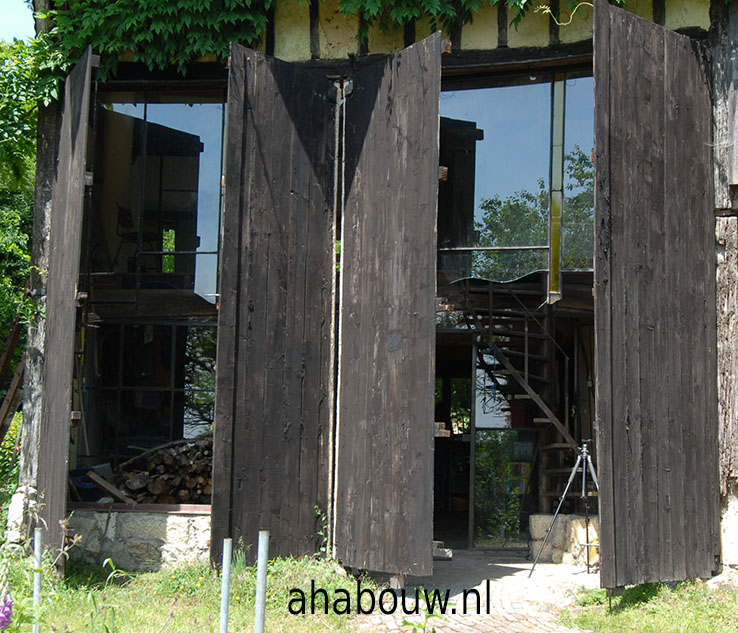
61,299
274,367
654,304
384,463
274,427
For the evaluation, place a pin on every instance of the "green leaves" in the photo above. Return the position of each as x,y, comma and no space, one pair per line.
157,34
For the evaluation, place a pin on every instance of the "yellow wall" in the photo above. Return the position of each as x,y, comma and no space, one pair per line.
681,13
338,33
292,30
481,33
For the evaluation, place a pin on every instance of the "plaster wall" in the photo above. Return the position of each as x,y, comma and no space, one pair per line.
338,34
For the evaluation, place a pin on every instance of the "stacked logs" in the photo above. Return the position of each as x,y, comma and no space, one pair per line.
176,472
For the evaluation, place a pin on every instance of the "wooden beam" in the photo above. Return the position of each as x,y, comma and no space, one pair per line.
105,485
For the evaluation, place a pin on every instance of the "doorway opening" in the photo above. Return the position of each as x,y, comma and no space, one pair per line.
515,318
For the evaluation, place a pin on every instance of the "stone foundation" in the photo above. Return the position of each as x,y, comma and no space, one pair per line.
141,540
566,544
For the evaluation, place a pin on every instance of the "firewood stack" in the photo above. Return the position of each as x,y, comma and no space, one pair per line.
177,472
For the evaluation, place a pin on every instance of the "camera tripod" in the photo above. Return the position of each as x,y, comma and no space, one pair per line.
585,461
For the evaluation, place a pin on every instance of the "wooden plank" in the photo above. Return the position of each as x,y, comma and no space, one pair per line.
12,399
109,488
9,347
385,399
61,299
654,304
277,274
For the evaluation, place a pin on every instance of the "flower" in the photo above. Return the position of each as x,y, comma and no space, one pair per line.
6,608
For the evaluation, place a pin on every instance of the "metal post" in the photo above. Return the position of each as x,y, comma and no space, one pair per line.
261,581
225,584
38,546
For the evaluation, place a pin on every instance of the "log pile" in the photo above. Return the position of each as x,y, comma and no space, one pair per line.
176,472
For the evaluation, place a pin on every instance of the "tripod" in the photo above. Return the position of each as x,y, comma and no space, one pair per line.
585,461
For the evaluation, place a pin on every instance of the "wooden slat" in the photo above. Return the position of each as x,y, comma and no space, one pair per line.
654,304
61,299
273,401
385,407
12,399
9,347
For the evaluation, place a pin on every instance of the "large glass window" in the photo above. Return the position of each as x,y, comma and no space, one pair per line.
517,151
150,269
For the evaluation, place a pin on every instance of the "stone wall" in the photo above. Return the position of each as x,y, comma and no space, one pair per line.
566,544
137,540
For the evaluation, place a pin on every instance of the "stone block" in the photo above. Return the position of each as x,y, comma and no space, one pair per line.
546,554
538,524
137,524
200,532
729,529
177,529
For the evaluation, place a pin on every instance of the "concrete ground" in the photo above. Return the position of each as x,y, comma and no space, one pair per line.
510,601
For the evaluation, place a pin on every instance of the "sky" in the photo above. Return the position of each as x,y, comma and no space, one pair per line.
17,20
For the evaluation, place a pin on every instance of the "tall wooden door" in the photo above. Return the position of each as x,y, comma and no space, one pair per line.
279,463
654,304
274,357
64,245
384,461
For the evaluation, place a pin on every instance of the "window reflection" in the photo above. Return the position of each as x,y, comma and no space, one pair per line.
494,208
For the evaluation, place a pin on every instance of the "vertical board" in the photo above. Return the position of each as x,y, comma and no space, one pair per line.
384,462
654,304
273,402
61,299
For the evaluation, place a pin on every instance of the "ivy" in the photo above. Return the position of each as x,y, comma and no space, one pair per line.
174,33
170,34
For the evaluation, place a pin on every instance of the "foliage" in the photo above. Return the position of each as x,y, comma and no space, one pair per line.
157,34
187,598
9,466
522,219
176,33
496,507
460,410
200,377
16,220
655,608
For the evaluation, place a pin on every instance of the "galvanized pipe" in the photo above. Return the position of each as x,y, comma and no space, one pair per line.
261,581
225,584
38,546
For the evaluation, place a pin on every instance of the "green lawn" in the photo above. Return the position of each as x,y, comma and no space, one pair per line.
691,607
185,599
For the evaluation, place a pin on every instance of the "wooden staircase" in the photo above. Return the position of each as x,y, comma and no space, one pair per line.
517,349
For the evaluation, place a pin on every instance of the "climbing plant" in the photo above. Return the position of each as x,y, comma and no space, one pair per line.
177,32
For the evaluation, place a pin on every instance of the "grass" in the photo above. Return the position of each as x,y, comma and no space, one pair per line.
184,599
690,607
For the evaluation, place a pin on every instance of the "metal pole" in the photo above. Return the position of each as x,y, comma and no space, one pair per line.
225,584
38,546
261,581
556,514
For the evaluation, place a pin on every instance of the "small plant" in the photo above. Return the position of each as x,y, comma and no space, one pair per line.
427,614
116,574
322,532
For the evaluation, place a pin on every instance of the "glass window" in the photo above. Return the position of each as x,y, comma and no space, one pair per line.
497,140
